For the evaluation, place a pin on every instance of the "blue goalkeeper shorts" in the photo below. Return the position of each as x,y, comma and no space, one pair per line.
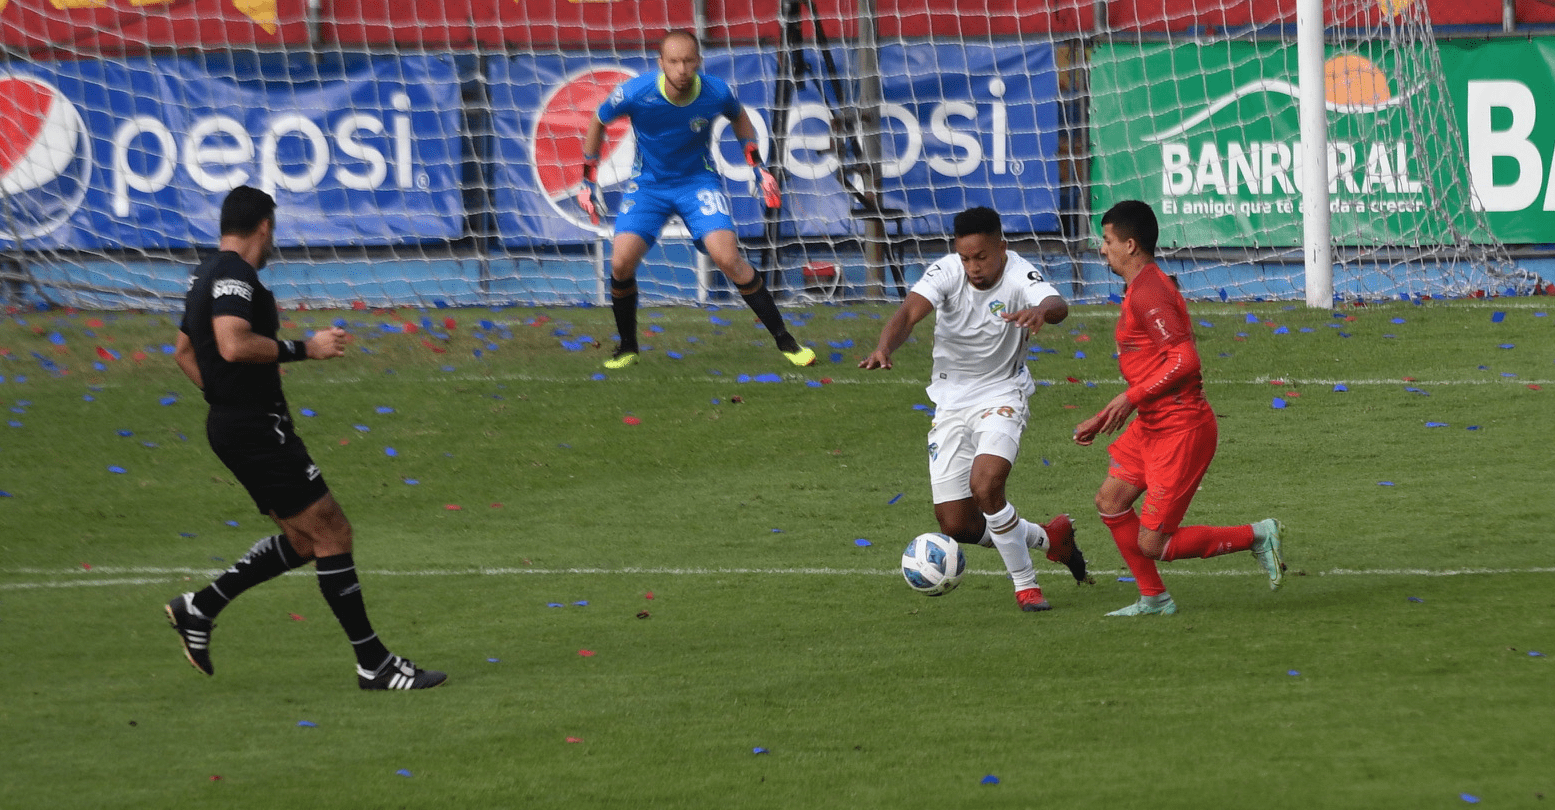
701,204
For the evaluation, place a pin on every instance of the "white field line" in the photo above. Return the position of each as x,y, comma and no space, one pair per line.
115,575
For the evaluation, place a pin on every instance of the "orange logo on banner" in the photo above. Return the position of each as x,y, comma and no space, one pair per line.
260,11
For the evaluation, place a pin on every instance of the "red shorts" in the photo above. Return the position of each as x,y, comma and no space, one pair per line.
1168,466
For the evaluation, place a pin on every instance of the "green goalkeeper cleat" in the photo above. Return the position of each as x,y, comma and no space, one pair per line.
621,359
803,356
1147,606
1267,535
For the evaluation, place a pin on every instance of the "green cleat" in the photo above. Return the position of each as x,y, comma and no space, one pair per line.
1267,535
1147,606
803,356
621,359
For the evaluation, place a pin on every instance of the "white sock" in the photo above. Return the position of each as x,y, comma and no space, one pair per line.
1011,544
1036,536
987,539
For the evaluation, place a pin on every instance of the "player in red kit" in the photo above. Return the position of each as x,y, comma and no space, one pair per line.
1164,453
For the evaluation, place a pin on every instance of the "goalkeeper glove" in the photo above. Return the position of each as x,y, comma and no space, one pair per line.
769,185
589,198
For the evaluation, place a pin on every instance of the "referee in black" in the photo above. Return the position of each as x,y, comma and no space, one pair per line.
227,345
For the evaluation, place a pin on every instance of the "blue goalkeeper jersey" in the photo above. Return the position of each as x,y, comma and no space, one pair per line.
672,140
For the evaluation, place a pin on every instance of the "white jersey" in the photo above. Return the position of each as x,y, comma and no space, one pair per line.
978,354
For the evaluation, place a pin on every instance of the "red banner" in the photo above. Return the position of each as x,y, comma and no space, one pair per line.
1181,15
543,23
76,27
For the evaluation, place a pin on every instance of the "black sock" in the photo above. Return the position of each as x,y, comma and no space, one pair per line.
268,559
623,304
343,591
759,299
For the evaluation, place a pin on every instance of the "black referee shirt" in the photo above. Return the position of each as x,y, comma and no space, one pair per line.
225,284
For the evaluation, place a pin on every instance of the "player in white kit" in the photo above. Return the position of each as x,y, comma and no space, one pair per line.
988,301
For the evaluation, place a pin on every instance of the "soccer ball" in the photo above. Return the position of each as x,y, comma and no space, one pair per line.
933,564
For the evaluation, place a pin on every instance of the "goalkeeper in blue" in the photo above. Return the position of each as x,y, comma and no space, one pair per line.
672,112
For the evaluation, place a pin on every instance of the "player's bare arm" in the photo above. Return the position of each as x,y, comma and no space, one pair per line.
237,342
1107,420
183,353
897,330
1052,309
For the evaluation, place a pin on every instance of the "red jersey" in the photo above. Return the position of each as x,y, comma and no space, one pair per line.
1157,355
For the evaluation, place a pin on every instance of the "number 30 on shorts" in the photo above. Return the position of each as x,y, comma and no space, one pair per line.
713,202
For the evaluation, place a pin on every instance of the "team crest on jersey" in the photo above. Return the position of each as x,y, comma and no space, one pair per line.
231,286
313,472
698,124
618,95
934,451
996,307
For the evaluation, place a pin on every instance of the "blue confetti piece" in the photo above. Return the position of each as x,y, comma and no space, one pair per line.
126,433
1507,346
1340,388
1206,324
598,375
494,660
1293,672
743,378
893,501
189,534
777,531
1416,599
56,338
835,357
1472,427
411,481
340,322
1114,298
1252,318
1079,355
1535,654
390,452
149,444
384,409
1390,336
362,428
1125,579
768,378
1497,317
1508,374
716,401
572,345
1306,329
168,401
840,344
1282,330
990,779
553,604
307,724
759,750
115,469
308,412
1278,403
813,384
1384,483
1469,797
1223,296
1344,334
862,543
674,355
581,603
1399,320
13,423
403,772
4,494
655,328
1484,368
717,321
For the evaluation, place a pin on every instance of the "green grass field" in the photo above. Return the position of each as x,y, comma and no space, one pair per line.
1394,670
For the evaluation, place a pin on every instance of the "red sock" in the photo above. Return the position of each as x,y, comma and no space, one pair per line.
1125,532
1207,541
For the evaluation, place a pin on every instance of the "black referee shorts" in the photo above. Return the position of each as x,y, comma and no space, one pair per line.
267,458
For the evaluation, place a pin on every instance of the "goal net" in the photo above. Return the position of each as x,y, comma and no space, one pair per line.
426,153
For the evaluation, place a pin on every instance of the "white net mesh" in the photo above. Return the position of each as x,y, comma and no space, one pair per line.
426,152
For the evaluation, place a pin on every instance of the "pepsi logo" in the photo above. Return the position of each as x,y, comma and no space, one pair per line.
558,134
45,158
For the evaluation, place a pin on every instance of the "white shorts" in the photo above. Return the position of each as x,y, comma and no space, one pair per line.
992,428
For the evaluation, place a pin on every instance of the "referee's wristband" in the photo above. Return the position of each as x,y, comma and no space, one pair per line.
287,351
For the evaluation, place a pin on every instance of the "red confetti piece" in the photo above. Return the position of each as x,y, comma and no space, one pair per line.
450,324
296,618
1532,387
359,305
1293,393
496,506
648,595
1410,379
95,323
825,381
345,441
216,777
453,507
1276,382
574,739
631,420
105,354
410,328
86,566
139,356
1082,338
586,653
1071,379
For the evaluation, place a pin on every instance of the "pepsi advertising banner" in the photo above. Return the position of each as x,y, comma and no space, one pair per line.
965,125
103,155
